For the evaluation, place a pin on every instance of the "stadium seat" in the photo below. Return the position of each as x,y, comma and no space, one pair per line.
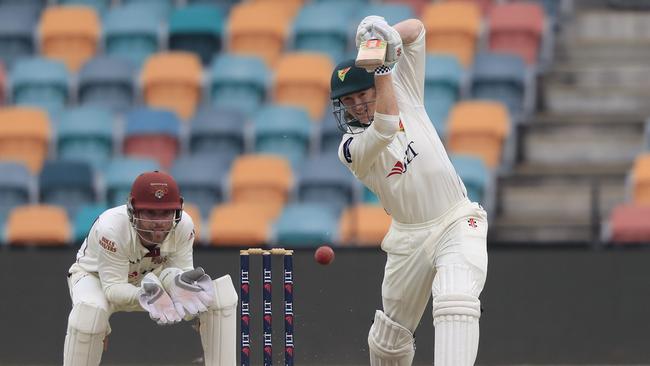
218,132
330,134
172,80
224,4
479,128
322,27
3,83
484,5
17,25
131,33
259,29
53,227
35,6
417,5
160,8
241,224
100,6
68,184
628,224
306,225
107,82
40,82
201,179
70,34
121,173
369,197
24,136
641,179
442,88
15,186
500,77
152,133
86,134
303,79
284,131
393,13
84,220
197,29
474,174
453,28
292,6
325,180
261,178
238,82
517,28
363,225
194,212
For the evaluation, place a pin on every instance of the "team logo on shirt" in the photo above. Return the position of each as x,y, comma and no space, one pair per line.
400,167
341,73
401,126
107,244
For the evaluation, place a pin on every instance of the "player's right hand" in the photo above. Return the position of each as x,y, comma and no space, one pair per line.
376,27
157,302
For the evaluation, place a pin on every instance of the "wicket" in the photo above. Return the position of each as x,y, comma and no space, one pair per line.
245,312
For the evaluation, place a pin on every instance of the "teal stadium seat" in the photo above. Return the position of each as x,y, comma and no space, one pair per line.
152,133
40,82
17,25
121,173
325,180
393,13
197,29
330,134
322,27
284,131
223,4
500,77
201,180
86,134
218,132
101,6
442,88
84,220
306,225
160,8
69,184
131,33
15,182
475,175
239,82
108,82
36,5
370,197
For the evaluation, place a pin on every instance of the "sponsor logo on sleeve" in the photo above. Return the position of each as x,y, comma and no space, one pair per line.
346,150
108,244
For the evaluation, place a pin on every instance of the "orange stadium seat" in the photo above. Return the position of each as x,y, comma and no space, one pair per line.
261,178
152,133
194,212
363,225
453,28
291,6
24,136
479,128
484,5
172,80
241,224
641,179
38,224
303,79
70,34
517,28
628,223
259,29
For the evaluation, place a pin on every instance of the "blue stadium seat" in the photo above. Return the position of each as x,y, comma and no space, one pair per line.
108,82
84,220
474,173
201,180
322,27
15,182
101,6
218,132
131,33
160,8
86,134
239,82
69,184
500,77
17,25
197,29
35,6
283,130
324,179
225,5
370,197
306,225
40,82
442,88
393,13
121,173
330,134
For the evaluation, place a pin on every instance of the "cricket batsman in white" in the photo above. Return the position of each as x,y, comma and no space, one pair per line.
436,245
138,257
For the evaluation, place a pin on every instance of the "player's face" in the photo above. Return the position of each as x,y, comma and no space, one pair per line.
361,105
154,225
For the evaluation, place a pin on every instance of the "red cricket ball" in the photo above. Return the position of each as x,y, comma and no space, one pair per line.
324,255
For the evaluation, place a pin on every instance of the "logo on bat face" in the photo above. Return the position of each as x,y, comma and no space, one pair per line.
341,73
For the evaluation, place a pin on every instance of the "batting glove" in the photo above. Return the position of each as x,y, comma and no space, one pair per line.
375,27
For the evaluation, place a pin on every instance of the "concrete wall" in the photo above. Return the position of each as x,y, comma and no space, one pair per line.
542,306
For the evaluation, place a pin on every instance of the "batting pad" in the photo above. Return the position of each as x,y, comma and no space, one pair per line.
218,326
455,317
84,342
390,343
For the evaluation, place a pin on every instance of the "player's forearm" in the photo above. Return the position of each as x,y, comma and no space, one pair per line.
121,294
409,30
385,102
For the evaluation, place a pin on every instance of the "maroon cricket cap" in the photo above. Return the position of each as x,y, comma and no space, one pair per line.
155,191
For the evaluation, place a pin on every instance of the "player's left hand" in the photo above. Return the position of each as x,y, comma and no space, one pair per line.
192,292
374,26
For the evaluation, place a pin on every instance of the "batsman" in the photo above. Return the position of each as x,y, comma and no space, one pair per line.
436,244
138,257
